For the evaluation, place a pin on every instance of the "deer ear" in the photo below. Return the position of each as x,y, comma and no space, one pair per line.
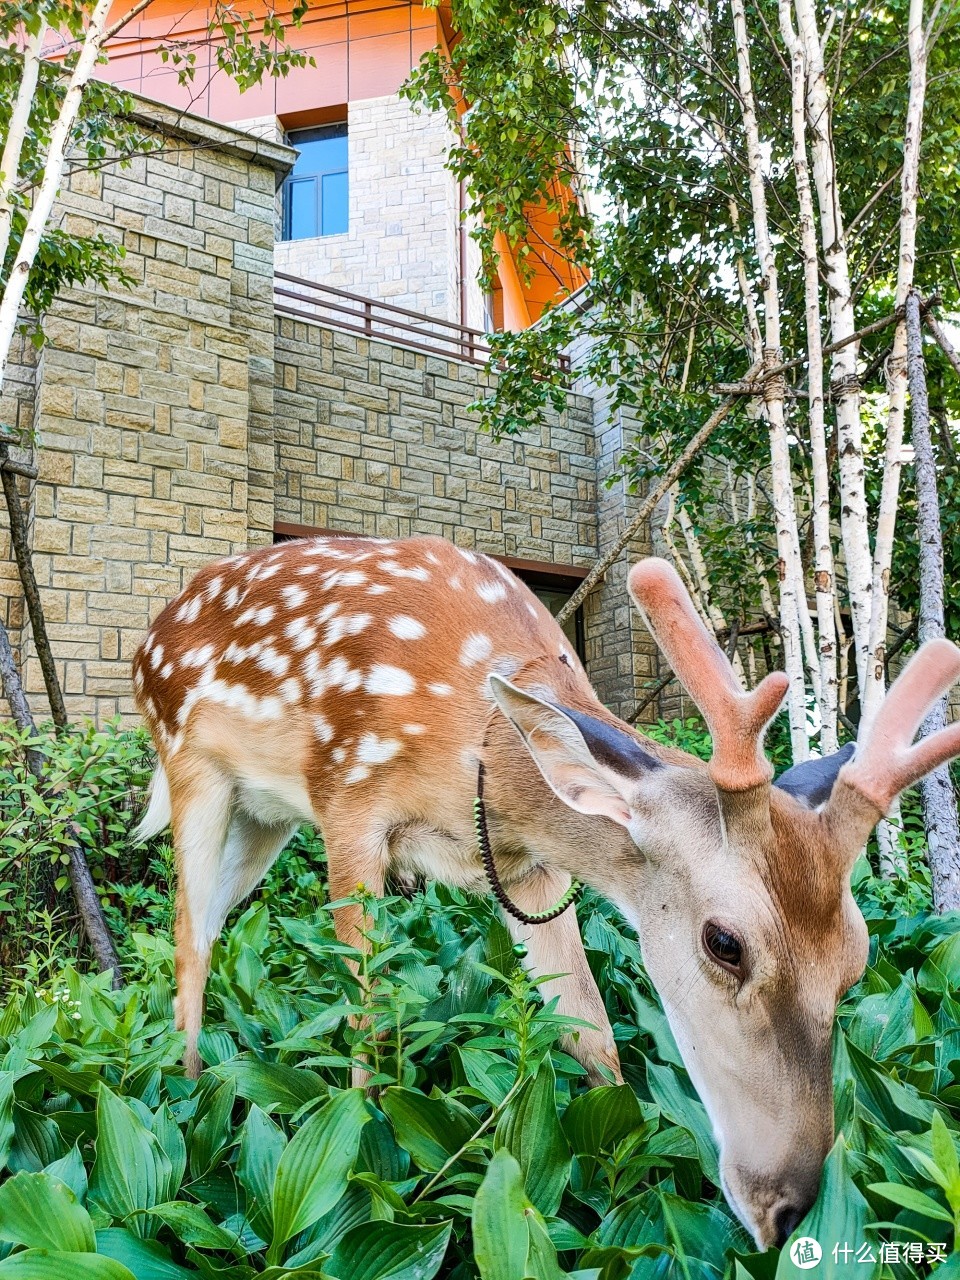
591,765
812,781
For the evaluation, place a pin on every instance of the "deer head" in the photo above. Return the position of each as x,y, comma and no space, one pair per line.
740,888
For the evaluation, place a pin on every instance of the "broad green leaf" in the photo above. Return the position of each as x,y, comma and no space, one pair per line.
261,1145
530,1130
212,1132
131,1171
36,1264
42,1212
190,1223
501,1241
389,1251
7,1080
595,1121
271,1085
314,1167
688,1112
145,1258
945,1154
431,1129
71,1170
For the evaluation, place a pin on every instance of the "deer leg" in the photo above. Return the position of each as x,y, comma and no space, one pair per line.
557,948
221,857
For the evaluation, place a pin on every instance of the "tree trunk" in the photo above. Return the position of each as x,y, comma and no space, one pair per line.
823,546
844,383
17,131
84,890
20,541
939,798
46,193
793,606
871,694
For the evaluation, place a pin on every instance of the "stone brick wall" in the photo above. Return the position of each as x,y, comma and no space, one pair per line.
154,405
403,242
377,439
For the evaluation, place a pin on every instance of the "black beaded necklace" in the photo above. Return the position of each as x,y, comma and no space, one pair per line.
486,853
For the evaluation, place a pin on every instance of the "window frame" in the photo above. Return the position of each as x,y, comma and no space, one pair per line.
317,133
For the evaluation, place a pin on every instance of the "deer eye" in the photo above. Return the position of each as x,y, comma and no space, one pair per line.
724,947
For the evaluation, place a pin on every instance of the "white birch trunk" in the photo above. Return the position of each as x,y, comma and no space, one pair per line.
939,798
46,194
792,598
717,621
872,694
823,553
17,131
844,382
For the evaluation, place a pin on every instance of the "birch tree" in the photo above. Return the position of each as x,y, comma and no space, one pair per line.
939,797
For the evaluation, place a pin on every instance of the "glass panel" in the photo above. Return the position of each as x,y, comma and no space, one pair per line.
301,212
321,150
334,204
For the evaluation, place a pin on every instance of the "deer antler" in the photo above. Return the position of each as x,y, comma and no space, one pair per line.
886,763
736,719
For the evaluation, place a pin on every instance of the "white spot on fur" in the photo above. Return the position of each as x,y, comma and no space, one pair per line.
456,584
213,587
167,671
301,633
346,625
290,690
491,592
307,568
277,664
378,589
197,657
156,657
357,774
406,628
293,596
339,754
374,750
441,690
269,572
138,678
475,648
398,571
231,597
323,729
258,617
509,578
189,611
389,680
414,729
467,555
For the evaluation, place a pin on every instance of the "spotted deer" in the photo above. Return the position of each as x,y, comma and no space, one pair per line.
359,684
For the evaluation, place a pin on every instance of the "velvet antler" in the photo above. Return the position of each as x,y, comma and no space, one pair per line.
886,763
736,719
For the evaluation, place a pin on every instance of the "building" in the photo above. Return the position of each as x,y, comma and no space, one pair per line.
369,206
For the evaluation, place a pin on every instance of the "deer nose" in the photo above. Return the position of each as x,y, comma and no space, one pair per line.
785,1222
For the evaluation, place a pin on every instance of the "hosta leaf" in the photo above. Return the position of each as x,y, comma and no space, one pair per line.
271,1085
7,1079
212,1132
42,1212
389,1251
431,1129
688,1112
190,1223
261,1145
36,1264
37,1141
131,1170
145,1258
314,1167
596,1120
71,1170
501,1241
530,1130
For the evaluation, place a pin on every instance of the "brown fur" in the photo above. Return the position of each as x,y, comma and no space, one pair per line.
357,683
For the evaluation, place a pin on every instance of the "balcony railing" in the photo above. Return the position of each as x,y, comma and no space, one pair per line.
323,304
339,309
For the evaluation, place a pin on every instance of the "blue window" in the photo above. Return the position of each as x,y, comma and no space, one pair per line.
315,194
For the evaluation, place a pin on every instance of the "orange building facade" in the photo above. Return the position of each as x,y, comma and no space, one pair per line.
375,211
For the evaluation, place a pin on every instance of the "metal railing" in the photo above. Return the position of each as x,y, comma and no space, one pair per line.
323,304
339,309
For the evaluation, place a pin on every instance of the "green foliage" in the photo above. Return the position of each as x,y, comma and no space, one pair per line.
482,1156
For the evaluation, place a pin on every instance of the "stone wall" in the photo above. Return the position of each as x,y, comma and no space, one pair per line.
403,243
154,405
374,438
